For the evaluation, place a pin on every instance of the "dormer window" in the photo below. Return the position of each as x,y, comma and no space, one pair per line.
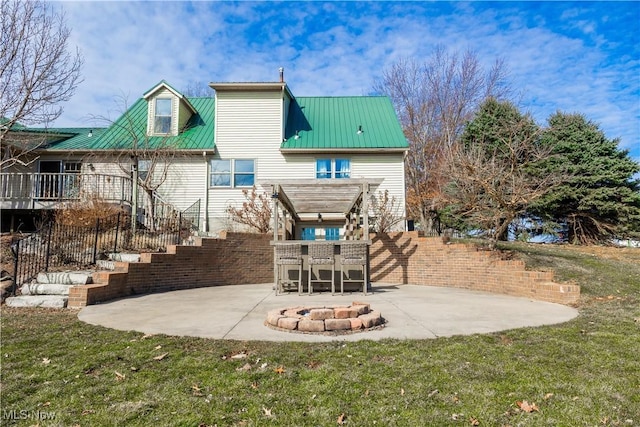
168,111
163,115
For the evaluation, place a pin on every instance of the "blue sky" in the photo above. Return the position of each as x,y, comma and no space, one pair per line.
579,57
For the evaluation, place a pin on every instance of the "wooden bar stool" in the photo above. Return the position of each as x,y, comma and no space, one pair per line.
353,254
288,254
321,254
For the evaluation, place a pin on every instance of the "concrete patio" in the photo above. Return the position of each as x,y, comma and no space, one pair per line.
238,312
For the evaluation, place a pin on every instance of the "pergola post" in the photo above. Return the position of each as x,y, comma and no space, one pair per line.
274,211
365,209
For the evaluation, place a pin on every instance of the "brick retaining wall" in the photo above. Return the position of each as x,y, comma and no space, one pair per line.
233,259
408,258
398,258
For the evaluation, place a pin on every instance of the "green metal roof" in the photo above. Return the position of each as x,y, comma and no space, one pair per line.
333,123
72,138
131,128
349,123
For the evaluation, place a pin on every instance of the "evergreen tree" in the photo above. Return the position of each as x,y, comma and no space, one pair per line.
493,169
601,198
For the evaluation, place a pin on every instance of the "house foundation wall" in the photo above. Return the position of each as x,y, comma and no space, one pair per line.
397,258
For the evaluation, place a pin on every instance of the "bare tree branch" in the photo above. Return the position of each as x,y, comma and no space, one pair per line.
492,173
135,148
386,212
255,211
434,99
37,73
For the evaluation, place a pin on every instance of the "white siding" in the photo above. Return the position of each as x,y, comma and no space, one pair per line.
186,181
249,125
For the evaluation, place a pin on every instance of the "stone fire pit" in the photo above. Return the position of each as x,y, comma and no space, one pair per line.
357,317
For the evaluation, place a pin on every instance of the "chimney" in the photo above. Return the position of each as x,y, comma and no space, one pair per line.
281,70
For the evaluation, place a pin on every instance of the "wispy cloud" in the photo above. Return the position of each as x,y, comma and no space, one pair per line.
574,57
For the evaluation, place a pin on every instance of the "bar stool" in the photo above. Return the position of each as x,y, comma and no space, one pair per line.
321,254
353,254
288,254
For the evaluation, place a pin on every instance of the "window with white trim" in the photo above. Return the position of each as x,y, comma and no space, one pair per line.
143,169
333,168
232,173
163,116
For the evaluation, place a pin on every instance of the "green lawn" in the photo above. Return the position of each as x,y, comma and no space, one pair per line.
59,371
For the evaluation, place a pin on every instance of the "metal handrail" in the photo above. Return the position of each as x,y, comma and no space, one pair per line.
59,187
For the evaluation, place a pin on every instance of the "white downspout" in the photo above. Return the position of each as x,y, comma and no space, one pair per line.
205,219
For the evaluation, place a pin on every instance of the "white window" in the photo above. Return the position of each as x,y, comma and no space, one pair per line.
333,168
163,115
236,173
143,169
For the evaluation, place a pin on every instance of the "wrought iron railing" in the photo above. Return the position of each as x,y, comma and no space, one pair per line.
58,245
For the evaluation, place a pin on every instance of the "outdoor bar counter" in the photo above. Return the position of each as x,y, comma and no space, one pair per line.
341,257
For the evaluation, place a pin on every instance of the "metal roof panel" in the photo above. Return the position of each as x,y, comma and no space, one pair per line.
349,122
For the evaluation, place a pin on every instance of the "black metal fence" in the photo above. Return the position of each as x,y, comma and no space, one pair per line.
64,246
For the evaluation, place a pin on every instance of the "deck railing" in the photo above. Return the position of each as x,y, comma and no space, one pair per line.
59,187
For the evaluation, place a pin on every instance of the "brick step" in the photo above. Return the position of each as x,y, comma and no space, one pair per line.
65,277
47,301
45,289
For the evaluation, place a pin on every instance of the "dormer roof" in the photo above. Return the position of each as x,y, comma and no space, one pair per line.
163,85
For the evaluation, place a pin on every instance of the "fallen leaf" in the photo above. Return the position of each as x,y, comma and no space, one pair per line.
342,419
267,412
134,369
279,370
45,361
254,385
158,347
474,421
401,392
119,376
527,407
87,411
433,393
548,396
46,404
264,365
162,356
197,391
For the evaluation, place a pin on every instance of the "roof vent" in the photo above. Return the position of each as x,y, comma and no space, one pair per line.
297,135
90,133
281,71
360,131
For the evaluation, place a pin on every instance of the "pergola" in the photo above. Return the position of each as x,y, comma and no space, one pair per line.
307,200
